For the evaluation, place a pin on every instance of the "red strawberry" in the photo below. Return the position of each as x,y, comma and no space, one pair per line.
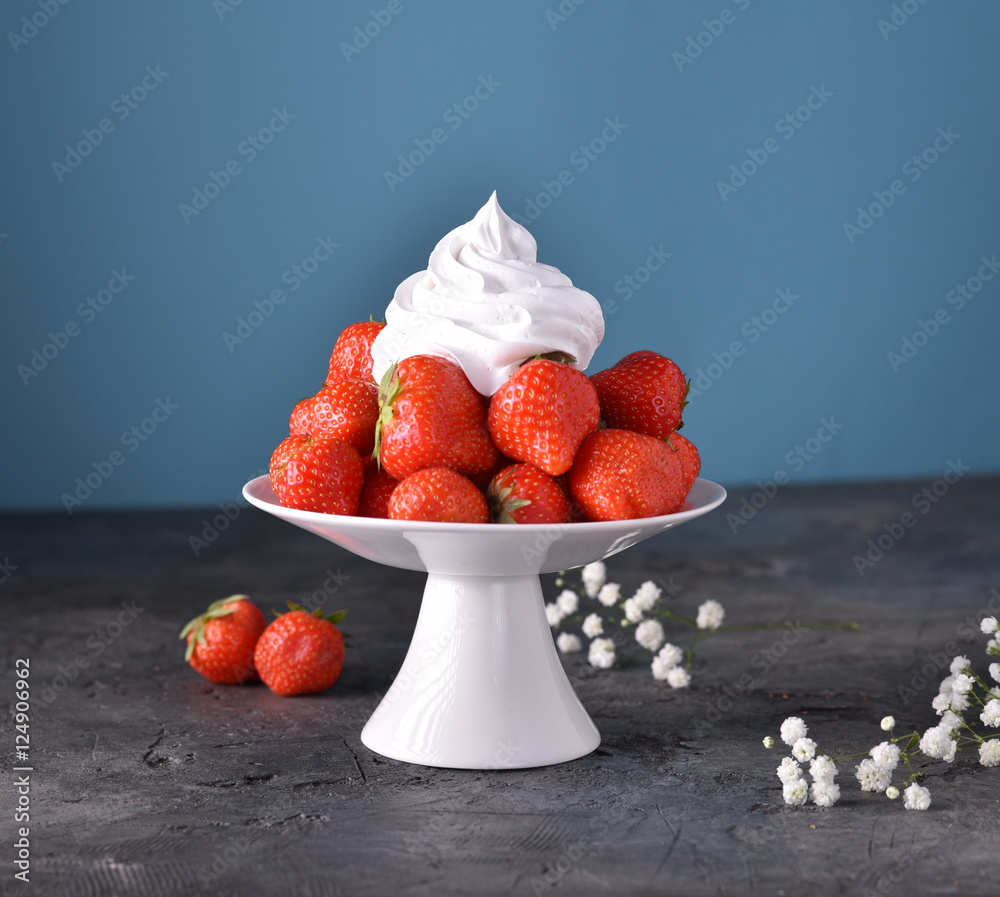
619,475
320,474
644,392
220,642
345,409
431,417
352,353
300,652
522,493
375,493
281,453
690,462
438,494
542,414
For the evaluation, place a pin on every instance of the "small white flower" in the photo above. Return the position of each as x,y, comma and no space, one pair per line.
769,742
610,594
888,723
938,744
989,625
824,794
873,776
661,669
916,797
568,643
594,576
678,677
671,654
892,792
991,714
885,754
993,646
822,769
553,614
959,702
649,634
989,752
710,615
995,691
792,729
633,612
941,703
795,792
950,721
647,595
962,684
568,602
959,665
593,626
789,771
804,749
995,671
602,653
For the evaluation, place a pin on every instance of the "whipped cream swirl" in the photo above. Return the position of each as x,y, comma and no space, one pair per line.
487,304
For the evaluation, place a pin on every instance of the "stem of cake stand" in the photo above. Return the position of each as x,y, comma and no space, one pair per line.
482,686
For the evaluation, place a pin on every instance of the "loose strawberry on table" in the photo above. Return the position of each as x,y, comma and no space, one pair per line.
352,353
221,641
438,494
300,652
522,493
644,392
317,474
542,414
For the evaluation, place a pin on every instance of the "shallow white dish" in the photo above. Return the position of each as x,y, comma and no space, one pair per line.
482,686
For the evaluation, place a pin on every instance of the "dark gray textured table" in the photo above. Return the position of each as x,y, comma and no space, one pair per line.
149,780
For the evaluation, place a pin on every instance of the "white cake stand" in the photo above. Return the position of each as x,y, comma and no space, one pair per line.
482,686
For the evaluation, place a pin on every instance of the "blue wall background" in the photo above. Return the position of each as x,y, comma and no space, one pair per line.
214,73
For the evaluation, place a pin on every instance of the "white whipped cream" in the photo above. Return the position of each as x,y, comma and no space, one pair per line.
487,304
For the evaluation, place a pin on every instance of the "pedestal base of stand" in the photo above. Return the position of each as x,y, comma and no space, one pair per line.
482,686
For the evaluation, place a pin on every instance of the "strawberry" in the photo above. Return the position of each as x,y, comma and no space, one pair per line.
690,462
352,353
375,493
522,493
345,410
542,414
619,475
318,474
644,392
438,494
220,642
431,416
300,652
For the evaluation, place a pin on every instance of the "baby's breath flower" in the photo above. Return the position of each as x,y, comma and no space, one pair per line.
661,668
649,634
594,576
678,677
602,653
892,792
671,655
804,749
792,729
938,744
885,754
789,771
950,721
710,615
989,752
995,671
593,626
993,646
989,625
647,595
568,643
795,791
769,742
888,723
916,797
633,611
873,776
959,702
824,794
822,769
568,602
959,665
942,702
553,614
610,594
991,714
962,684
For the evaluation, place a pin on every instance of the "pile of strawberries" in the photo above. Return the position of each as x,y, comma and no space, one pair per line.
552,445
